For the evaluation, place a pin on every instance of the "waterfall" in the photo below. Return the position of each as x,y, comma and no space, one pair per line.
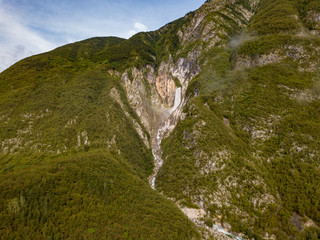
156,140
157,154
177,100
220,229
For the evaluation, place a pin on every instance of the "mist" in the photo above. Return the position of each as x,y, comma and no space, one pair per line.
241,38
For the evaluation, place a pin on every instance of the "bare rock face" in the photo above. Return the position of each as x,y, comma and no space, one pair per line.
151,76
186,68
202,25
116,96
314,18
151,92
137,97
296,53
247,61
165,84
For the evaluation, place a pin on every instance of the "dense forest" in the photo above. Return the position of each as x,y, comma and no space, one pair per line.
76,152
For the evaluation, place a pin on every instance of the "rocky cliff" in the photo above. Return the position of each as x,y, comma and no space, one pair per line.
218,112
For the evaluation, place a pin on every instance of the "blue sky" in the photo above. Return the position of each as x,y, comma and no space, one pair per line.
29,27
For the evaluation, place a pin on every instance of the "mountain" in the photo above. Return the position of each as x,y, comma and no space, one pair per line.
207,128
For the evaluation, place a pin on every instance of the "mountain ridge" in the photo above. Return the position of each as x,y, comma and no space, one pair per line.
239,152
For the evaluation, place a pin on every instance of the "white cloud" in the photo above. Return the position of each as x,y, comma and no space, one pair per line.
17,41
137,27
30,27
132,32
140,27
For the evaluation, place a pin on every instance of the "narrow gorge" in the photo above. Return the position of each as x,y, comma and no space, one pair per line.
160,115
157,138
206,128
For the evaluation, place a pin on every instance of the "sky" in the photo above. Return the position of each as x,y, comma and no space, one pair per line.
29,27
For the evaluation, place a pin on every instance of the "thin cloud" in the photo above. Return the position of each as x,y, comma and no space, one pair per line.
131,33
140,27
30,27
18,41
137,27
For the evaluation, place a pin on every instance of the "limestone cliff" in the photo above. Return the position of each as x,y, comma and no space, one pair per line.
218,110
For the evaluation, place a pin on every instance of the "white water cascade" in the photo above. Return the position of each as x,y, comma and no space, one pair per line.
221,230
157,154
156,141
177,100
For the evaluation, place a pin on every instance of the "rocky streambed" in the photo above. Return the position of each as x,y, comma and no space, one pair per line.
157,138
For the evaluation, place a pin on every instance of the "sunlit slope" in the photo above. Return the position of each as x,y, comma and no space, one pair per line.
76,127
247,151
73,165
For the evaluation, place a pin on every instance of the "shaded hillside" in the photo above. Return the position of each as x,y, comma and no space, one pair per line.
90,195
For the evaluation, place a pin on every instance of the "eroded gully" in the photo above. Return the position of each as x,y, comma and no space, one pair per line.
156,140
157,154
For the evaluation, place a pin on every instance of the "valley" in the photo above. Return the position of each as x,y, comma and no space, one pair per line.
206,128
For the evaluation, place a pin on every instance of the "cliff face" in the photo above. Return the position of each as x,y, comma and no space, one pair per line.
219,110
219,147
198,32
237,128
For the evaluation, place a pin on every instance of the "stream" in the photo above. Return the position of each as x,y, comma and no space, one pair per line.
157,154
221,230
156,141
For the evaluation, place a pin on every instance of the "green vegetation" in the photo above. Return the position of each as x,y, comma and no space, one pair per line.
92,195
249,142
73,165
176,81
59,111
137,51
275,16
250,100
306,8
286,157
